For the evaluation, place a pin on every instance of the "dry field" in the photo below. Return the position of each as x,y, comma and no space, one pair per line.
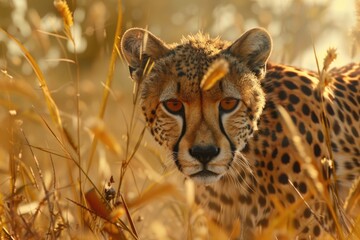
75,159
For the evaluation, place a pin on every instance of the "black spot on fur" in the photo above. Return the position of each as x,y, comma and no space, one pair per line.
296,167
283,178
305,80
316,231
226,200
282,95
285,142
302,129
214,206
285,158
290,198
307,213
294,99
290,74
290,85
274,153
271,188
306,90
314,118
309,137
317,150
305,109
262,201
329,109
302,187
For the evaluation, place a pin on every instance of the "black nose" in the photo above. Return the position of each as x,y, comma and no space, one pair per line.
204,154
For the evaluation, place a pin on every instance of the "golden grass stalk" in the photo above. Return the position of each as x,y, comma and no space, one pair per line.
355,32
310,166
215,72
6,74
48,193
324,80
57,36
63,8
189,192
132,225
153,193
5,234
98,128
331,55
109,78
114,57
331,197
355,231
144,44
129,154
353,198
12,162
216,232
2,216
52,107
18,87
282,220
69,156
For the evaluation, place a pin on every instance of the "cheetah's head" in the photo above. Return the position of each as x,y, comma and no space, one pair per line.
202,129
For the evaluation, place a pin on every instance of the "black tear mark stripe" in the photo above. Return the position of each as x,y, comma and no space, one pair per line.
232,145
176,146
183,130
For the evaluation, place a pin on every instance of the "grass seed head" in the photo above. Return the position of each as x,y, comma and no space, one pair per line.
63,8
331,55
216,71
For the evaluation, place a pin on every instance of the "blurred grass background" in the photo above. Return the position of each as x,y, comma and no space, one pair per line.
38,172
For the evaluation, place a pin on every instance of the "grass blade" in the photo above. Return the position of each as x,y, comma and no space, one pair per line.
53,109
109,78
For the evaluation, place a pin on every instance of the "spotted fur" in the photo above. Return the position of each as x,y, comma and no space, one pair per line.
243,163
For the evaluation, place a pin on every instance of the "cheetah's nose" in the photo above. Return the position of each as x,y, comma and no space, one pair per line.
204,154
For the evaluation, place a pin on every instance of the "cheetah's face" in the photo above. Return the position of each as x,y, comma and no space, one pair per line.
202,129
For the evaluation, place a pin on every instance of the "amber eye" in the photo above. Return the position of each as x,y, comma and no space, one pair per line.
174,106
228,104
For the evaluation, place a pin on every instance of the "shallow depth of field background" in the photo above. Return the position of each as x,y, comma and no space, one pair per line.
295,25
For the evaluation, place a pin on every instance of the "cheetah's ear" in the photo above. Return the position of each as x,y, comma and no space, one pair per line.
137,46
253,48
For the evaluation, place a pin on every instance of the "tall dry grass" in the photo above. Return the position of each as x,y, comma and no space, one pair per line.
50,190
72,174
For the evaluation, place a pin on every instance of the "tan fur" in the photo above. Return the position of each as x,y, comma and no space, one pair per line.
237,176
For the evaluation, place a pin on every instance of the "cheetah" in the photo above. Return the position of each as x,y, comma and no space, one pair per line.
231,139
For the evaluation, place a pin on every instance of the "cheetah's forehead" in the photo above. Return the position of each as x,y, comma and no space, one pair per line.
193,58
190,61
204,41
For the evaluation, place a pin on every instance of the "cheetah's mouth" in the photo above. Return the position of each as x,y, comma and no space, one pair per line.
205,176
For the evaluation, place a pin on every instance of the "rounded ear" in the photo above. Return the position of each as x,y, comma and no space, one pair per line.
253,48
137,46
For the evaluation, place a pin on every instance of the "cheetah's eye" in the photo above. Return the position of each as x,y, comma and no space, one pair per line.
228,104
174,106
